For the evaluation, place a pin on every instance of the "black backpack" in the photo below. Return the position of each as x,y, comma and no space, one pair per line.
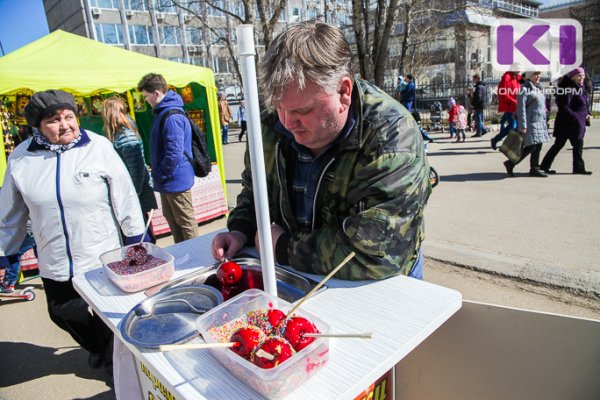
200,159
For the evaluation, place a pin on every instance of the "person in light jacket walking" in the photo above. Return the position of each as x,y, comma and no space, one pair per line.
531,122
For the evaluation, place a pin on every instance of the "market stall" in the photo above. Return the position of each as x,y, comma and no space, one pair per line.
401,312
93,71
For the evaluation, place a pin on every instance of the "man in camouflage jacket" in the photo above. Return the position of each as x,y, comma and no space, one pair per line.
371,190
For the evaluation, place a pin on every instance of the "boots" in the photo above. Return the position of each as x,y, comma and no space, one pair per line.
537,173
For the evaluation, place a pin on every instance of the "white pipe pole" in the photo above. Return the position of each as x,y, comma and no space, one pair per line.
245,34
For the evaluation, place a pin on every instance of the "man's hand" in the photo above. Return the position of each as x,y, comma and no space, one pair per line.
226,245
276,232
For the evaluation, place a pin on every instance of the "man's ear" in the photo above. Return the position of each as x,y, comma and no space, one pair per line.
346,91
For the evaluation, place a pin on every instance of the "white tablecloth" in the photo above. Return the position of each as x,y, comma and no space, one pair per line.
401,311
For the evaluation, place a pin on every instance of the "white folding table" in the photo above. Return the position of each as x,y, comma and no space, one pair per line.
402,312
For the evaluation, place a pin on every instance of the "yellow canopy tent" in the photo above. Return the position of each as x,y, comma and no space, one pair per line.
84,67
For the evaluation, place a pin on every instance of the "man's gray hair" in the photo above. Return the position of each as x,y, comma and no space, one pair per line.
310,50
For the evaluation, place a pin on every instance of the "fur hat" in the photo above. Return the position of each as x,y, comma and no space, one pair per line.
45,103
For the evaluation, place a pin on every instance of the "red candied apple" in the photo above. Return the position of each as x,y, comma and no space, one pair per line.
247,340
272,352
275,317
268,321
295,328
229,273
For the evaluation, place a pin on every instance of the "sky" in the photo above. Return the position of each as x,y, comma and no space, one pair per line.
21,22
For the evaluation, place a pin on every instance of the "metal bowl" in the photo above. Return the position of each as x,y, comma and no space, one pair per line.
291,287
168,317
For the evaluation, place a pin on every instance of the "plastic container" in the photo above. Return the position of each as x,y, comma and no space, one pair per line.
282,379
141,280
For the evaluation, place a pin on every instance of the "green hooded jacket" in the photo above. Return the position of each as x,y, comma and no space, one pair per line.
370,198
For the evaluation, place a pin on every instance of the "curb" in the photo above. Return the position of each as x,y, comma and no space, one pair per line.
572,278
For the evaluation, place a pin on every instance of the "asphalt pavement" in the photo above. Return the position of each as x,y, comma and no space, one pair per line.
522,242
536,229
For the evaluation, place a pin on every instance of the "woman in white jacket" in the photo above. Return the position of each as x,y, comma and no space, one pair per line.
79,197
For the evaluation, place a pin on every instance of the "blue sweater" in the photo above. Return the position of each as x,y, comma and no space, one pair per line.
171,171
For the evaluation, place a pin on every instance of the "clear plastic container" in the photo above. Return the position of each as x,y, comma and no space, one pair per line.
286,377
141,280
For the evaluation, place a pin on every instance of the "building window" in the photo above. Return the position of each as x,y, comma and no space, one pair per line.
214,12
193,35
106,4
219,36
166,6
140,34
110,33
221,65
193,5
168,35
198,61
136,5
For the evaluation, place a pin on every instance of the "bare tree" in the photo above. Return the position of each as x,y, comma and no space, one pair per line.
372,24
269,12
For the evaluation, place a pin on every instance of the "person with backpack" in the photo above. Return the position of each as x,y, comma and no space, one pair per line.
479,100
171,145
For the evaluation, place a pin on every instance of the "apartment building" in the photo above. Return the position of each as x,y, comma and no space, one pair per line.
161,29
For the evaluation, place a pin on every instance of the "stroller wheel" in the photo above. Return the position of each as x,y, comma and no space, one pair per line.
434,178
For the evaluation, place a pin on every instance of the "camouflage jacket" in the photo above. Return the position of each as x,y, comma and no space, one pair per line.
370,198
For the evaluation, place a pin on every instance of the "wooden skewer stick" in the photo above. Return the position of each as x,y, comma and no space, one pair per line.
366,335
191,346
264,354
350,256
147,225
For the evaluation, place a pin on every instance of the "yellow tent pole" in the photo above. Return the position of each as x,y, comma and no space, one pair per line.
3,154
215,123
131,105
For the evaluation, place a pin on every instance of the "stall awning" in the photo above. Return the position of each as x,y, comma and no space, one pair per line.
62,60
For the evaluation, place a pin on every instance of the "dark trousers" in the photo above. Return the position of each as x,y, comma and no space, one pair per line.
559,143
70,312
534,150
244,127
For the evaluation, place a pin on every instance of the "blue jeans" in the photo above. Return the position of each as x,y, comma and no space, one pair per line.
407,105
225,134
508,122
452,129
12,271
417,269
479,126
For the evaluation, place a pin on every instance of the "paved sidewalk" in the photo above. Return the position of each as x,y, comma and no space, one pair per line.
539,229
543,230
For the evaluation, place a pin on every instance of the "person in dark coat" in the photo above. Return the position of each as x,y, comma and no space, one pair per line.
573,114
407,95
478,103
